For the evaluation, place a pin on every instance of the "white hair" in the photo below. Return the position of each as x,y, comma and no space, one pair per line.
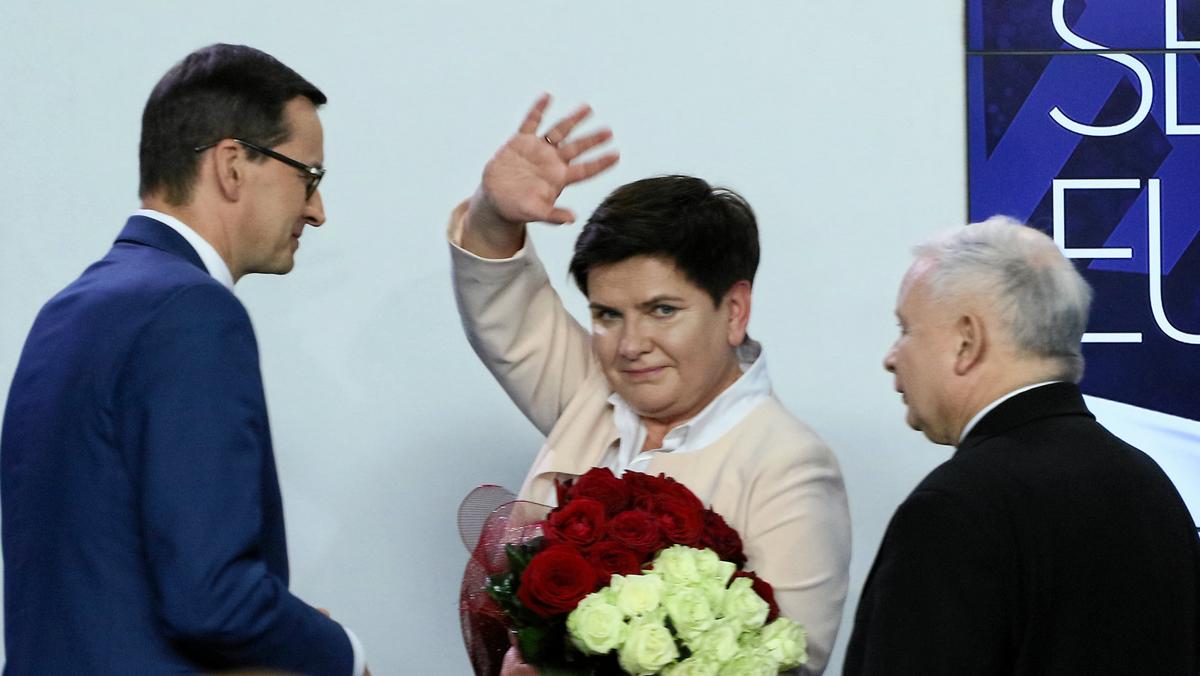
1039,296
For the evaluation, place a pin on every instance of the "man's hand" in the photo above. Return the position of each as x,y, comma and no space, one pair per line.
523,181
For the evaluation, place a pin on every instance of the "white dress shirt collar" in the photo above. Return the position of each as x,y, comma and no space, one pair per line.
711,423
208,255
988,409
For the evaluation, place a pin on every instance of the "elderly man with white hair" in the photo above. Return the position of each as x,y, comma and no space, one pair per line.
1044,545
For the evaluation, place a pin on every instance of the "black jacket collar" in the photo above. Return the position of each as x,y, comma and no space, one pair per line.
1046,401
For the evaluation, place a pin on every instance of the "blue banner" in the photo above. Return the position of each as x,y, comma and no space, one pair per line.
1083,120
1123,25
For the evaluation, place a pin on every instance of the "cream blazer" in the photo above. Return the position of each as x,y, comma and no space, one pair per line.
770,476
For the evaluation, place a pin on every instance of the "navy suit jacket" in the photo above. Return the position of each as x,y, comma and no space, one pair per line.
1045,545
142,521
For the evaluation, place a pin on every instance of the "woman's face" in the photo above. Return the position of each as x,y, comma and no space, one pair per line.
663,345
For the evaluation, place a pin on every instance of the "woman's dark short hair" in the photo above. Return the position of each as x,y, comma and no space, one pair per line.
709,233
221,91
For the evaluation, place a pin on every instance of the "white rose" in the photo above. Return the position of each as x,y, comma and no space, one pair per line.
715,592
637,594
699,664
750,664
711,567
678,565
720,641
785,642
690,611
596,626
648,648
744,605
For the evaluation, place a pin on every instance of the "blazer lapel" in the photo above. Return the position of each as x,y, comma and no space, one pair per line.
149,232
583,434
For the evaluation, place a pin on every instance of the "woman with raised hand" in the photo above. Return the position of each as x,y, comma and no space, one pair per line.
667,380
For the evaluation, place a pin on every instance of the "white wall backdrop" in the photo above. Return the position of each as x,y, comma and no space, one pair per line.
842,123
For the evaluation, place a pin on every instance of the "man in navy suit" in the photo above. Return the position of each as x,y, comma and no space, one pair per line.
142,521
1045,545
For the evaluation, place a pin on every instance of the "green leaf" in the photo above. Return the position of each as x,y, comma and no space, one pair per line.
502,587
517,558
519,555
531,640
558,671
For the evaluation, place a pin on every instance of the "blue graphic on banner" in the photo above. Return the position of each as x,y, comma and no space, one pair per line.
1124,25
1083,120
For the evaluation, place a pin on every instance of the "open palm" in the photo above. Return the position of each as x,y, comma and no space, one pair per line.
523,181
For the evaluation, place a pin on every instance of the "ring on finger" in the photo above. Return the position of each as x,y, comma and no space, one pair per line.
547,139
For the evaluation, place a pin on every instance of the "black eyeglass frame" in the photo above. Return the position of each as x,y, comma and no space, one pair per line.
313,174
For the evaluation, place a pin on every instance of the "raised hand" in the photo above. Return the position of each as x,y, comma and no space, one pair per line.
524,179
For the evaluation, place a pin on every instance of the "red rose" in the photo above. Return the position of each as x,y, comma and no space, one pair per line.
556,580
672,488
612,558
600,484
661,485
636,530
764,590
647,502
719,537
643,484
579,522
679,521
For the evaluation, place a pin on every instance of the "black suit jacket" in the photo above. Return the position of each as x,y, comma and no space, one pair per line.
1045,545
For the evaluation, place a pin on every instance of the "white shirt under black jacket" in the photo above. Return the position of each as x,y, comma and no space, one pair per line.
220,271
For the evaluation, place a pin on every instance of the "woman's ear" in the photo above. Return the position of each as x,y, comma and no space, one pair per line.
737,302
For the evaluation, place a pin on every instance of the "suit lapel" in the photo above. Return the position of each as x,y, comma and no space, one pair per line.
149,232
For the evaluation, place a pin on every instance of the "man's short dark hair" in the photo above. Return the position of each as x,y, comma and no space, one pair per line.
709,233
220,91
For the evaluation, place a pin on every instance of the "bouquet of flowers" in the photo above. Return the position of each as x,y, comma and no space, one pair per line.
628,575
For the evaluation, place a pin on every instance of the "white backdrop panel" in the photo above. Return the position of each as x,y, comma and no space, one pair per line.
842,123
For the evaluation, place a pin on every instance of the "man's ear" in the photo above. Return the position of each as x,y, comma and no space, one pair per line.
971,334
229,168
737,300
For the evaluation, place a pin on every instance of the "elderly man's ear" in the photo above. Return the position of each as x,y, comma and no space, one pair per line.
972,343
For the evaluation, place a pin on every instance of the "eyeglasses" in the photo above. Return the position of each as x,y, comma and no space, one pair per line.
313,175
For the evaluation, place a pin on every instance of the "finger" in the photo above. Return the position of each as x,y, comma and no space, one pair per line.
514,665
510,663
584,170
324,612
559,216
512,657
569,151
534,117
562,130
